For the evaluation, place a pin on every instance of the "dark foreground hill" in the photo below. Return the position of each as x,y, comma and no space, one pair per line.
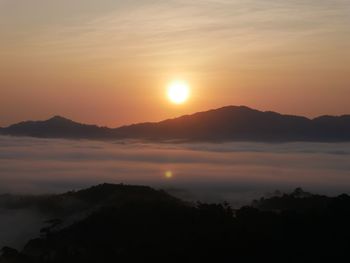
225,124
138,224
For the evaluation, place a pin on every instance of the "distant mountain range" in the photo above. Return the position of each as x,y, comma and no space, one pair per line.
231,123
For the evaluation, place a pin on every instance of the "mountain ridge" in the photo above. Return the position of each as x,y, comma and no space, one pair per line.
229,123
126,223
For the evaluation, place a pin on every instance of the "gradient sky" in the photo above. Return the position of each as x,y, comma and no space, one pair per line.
109,61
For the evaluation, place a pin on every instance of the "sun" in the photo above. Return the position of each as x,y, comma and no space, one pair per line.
178,92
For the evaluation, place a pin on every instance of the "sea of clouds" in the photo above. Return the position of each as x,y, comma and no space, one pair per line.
236,172
209,171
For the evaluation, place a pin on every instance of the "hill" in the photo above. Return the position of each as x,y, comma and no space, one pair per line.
139,224
84,201
56,127
232,123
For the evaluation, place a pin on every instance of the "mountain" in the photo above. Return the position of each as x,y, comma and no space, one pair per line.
231,123
85,201
140,224
228,123
56,127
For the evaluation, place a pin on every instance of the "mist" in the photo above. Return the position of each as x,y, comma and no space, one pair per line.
236,172
211,171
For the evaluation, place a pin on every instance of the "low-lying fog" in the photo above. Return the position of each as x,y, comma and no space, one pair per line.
235,172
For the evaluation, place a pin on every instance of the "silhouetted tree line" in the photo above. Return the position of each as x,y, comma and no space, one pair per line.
152,226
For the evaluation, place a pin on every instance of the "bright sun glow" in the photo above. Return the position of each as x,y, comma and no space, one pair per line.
168,174
178,92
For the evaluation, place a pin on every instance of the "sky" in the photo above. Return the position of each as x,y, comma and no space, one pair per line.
108,62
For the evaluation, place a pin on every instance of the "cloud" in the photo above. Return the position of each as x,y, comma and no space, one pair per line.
40,165
246,31
28,223
236,172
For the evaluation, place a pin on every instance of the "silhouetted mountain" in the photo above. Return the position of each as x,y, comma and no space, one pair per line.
242,123
139,224
230,123
56,127
86,200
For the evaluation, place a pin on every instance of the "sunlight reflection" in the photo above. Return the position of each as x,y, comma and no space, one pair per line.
169,174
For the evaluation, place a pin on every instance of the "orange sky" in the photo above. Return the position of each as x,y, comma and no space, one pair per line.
109,62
